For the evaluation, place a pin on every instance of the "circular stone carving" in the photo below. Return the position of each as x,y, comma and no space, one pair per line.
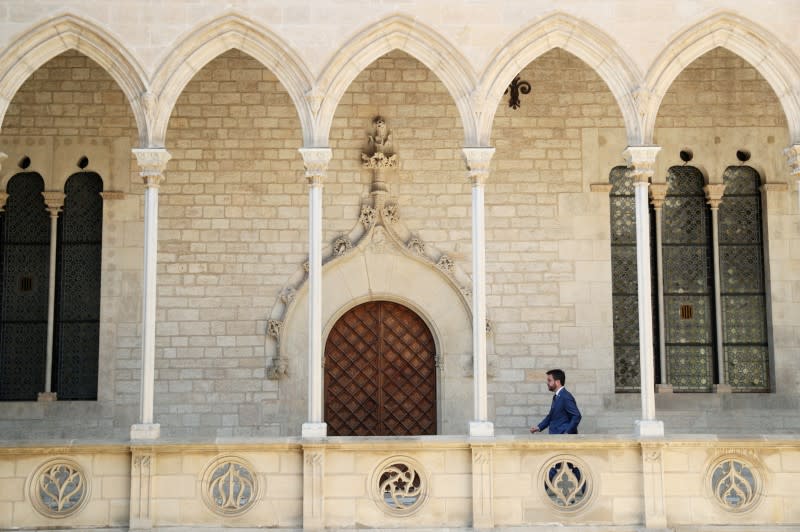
735,484
399,486
59,488
229,486
567,483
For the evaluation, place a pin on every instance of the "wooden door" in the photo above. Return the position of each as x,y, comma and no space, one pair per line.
380,373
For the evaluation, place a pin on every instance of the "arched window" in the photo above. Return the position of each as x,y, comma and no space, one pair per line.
25,253
77,336
690,316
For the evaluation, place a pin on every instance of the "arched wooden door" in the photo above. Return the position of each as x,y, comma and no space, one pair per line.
380,373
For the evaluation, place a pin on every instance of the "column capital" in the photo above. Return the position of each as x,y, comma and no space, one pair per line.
152,162
641,160
714,193
54,199
792,154
658,192
478,161
316,162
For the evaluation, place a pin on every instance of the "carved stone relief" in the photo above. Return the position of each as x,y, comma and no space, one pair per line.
735,481
399,486
229,486
59,488
566,483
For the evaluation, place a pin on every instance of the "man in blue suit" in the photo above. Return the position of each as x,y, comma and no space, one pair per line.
564,415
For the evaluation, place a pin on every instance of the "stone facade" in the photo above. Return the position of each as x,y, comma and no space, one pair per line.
233,94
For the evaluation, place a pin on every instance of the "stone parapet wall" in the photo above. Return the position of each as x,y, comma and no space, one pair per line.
347,483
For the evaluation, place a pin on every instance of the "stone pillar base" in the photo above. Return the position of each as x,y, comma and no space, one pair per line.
314,430
46,397
481,429
145,431
649,428
663,388
723,388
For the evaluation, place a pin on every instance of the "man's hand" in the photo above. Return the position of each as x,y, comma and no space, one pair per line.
534,429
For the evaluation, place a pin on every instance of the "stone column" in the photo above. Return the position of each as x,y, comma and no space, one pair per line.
316,163
54,200
478,160
641,162
658,192
793,154
152,163
714,198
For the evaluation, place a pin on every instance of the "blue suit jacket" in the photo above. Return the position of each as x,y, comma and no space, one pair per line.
564,415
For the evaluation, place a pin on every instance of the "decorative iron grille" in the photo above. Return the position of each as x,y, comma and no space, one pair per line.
23,312
744,318
688,274
77,337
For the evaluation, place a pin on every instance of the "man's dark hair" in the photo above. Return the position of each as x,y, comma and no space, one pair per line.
558,375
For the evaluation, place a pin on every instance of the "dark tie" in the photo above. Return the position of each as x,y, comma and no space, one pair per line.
554,397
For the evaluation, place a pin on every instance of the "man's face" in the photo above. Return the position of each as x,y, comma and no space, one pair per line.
552,385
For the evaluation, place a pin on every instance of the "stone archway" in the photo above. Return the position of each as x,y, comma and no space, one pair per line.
380,373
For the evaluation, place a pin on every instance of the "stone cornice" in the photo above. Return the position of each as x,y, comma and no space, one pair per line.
641,160
478,161
316,162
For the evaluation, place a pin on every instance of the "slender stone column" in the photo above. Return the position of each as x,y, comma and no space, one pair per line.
658,192
641,162
54,200
478,160
714,198
152,163
793,154
316,163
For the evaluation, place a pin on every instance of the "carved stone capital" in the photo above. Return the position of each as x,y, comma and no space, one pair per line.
658,192
316,162
152,162
478,161
793,156
641,161
714,194
54,200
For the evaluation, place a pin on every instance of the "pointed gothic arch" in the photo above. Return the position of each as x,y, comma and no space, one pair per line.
774,61
220,35
402,33
41,43
586,42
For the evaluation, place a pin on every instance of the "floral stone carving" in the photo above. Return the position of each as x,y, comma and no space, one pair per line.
59,488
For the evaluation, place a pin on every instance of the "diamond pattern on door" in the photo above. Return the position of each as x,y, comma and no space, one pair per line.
380,373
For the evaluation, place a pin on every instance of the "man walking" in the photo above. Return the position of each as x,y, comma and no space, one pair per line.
564,415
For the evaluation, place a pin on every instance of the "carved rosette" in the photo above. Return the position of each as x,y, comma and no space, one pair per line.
567,483
59,488
478,161
446,264
391,213
152,163
378,161
399,486
229,486
341,246
368,216
316,162
641,162
735,482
